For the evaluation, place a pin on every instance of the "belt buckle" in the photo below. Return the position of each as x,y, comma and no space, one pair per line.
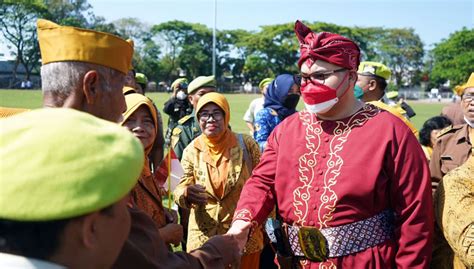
313,244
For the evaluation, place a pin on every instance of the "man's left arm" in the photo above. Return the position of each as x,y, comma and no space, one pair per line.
412,201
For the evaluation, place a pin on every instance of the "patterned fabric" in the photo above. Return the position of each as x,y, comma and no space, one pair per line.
215,217
350,238
454,209
265,121
146,195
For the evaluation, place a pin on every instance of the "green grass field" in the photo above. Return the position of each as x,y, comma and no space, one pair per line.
238,104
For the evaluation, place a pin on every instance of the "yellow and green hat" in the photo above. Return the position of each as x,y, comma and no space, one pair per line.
177,82
459,90
141,78
265,82
392,94
374,69
65,43
201,82
60,163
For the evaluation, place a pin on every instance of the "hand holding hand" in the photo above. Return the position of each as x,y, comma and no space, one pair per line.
240,229
228,246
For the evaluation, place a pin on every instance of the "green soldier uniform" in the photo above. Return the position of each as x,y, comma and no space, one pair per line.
188,127
185,132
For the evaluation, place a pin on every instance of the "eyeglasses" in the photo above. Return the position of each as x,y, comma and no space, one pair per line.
216,115
468,97
318,77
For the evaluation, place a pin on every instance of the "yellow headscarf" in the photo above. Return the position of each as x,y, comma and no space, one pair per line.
218,144
134,101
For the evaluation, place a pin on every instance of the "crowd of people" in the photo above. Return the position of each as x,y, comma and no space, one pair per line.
347,182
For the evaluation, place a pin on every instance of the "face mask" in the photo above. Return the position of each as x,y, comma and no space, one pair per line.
468,122
358,92
291,101
181,95
319,98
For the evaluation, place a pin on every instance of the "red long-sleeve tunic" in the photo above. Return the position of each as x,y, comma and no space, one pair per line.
330,173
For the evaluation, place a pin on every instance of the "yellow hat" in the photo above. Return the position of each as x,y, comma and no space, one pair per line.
459,90
201,82
64,43
127,90
60,163
374,69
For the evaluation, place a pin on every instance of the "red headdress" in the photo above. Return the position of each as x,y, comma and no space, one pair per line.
328,47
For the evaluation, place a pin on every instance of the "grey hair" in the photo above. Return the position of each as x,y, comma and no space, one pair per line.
62,78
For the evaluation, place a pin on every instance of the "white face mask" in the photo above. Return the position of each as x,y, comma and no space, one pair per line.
181,95
321,107
468,122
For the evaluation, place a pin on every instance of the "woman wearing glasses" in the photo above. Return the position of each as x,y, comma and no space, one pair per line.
281,99
216,165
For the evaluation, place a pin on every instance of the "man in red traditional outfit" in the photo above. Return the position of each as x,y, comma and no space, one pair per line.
350,181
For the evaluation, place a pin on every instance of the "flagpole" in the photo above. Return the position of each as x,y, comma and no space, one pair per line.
169,177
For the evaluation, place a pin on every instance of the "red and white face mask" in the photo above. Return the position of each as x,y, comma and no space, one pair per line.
320,98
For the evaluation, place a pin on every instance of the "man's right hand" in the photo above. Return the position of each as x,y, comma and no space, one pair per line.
228,247
172,233
240,230
195,194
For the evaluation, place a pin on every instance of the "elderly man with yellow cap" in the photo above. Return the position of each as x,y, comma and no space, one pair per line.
349,180
85,70
454,111
187,128
60,207
371,85
452,149
454,143
256,105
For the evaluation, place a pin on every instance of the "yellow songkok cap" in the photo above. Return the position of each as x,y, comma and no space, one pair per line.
65,43
59,163
459,90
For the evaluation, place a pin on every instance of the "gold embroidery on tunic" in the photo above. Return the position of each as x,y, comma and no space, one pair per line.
308,162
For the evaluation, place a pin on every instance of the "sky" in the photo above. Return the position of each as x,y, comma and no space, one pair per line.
432,20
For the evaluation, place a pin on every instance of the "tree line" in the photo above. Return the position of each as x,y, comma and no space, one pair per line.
171,49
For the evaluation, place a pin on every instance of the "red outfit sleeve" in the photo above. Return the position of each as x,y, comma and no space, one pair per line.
412,201
257,199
